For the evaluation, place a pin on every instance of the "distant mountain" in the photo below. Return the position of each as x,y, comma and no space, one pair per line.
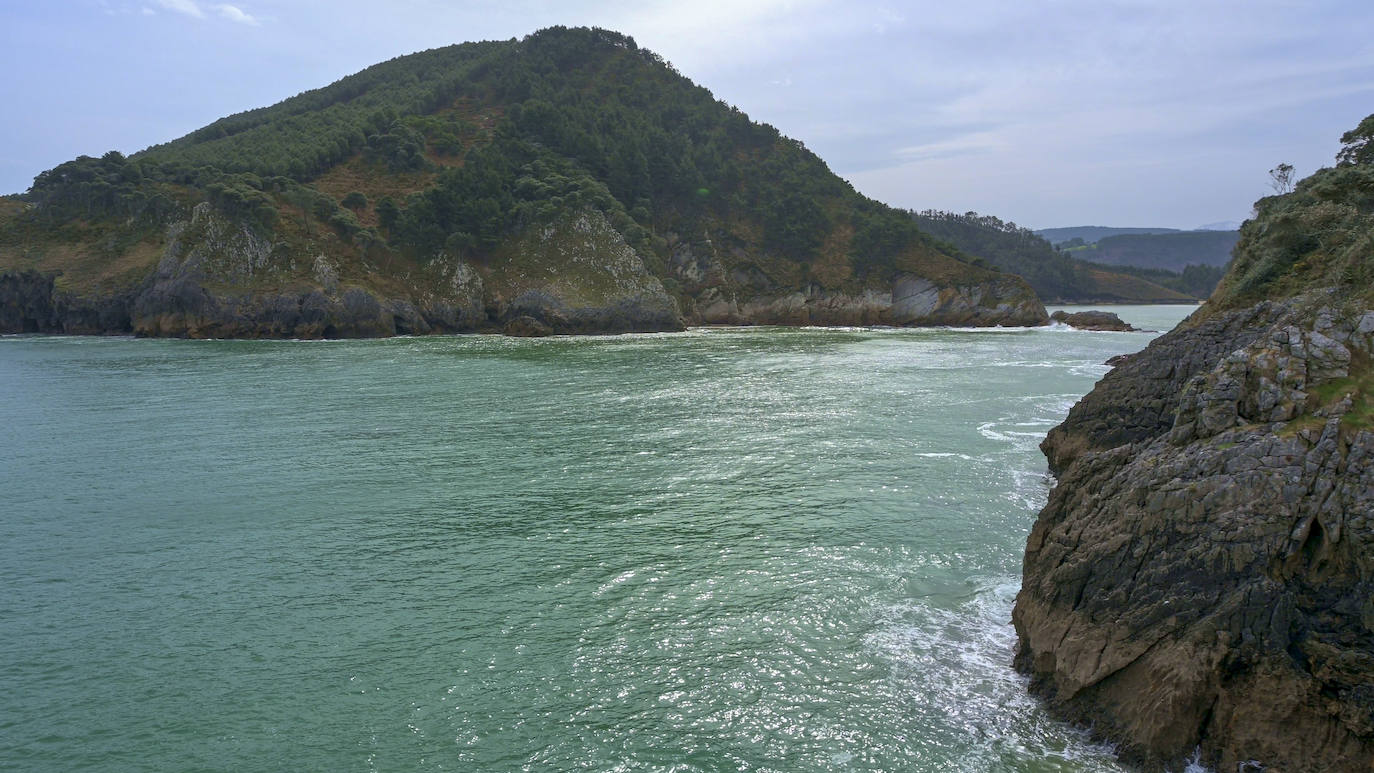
1172,251
1057,276
1224,225
1092,233
569,181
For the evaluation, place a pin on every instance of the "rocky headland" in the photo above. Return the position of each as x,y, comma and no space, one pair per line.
1201,580
569,181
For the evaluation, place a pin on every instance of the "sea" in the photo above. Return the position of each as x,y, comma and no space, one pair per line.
727,549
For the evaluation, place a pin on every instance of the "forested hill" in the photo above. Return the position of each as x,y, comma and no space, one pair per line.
1087,234
1056,276
493,163
1171,251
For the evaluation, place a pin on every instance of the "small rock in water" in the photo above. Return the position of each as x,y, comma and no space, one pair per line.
1092,320
526,327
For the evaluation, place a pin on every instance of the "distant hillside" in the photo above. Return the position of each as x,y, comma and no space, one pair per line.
1056,276
1092,233
1173,251
568,181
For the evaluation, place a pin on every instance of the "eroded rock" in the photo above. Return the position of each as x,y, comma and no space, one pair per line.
1202,576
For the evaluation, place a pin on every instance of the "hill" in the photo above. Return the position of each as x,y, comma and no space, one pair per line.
569,179
1057,277
1088,234
1200,583
1169,251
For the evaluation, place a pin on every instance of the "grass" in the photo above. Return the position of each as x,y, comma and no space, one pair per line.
1359,385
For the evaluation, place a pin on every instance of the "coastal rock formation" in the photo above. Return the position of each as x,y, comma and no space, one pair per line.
910,301
1093,320
1202,577
576,274
526,327
217,278
727,288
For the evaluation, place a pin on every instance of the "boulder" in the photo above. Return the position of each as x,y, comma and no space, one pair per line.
526,327
1092,320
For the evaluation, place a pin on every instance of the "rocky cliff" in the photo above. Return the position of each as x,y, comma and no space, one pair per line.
1201,580
217,277
211,275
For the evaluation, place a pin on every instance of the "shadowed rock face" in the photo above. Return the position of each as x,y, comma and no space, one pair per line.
1202,576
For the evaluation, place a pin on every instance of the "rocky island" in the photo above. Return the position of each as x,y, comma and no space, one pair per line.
569,180
1201,581
1093,320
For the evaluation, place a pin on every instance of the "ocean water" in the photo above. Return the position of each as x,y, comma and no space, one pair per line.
725,549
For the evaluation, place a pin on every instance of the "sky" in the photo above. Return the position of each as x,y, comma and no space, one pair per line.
1163,113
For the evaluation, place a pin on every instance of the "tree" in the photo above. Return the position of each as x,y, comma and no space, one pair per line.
387,212
1281,179
355,200
1358,144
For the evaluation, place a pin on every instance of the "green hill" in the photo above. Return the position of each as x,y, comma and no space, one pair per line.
569,177
1169,251
1057,277
1087,234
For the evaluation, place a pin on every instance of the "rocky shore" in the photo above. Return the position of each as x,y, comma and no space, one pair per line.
1201,580
214,277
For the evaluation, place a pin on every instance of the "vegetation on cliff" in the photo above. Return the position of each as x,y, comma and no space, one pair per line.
1319,235
452,155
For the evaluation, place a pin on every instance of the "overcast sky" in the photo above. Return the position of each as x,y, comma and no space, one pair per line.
1152,113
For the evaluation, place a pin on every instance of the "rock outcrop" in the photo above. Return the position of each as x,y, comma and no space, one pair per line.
1093,320
214,276
727,288
577,274
1202,577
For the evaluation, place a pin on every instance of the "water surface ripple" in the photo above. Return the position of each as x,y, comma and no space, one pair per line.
736,549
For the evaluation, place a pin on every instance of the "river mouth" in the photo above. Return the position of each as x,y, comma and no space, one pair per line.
760,549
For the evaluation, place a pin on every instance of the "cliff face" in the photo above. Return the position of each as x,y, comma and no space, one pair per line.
1203,574
216,277
213,276
1202,577
721,288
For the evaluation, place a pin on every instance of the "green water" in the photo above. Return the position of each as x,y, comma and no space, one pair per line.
736,549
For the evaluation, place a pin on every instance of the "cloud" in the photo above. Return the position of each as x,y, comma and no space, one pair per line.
234,13
191,8
187,7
